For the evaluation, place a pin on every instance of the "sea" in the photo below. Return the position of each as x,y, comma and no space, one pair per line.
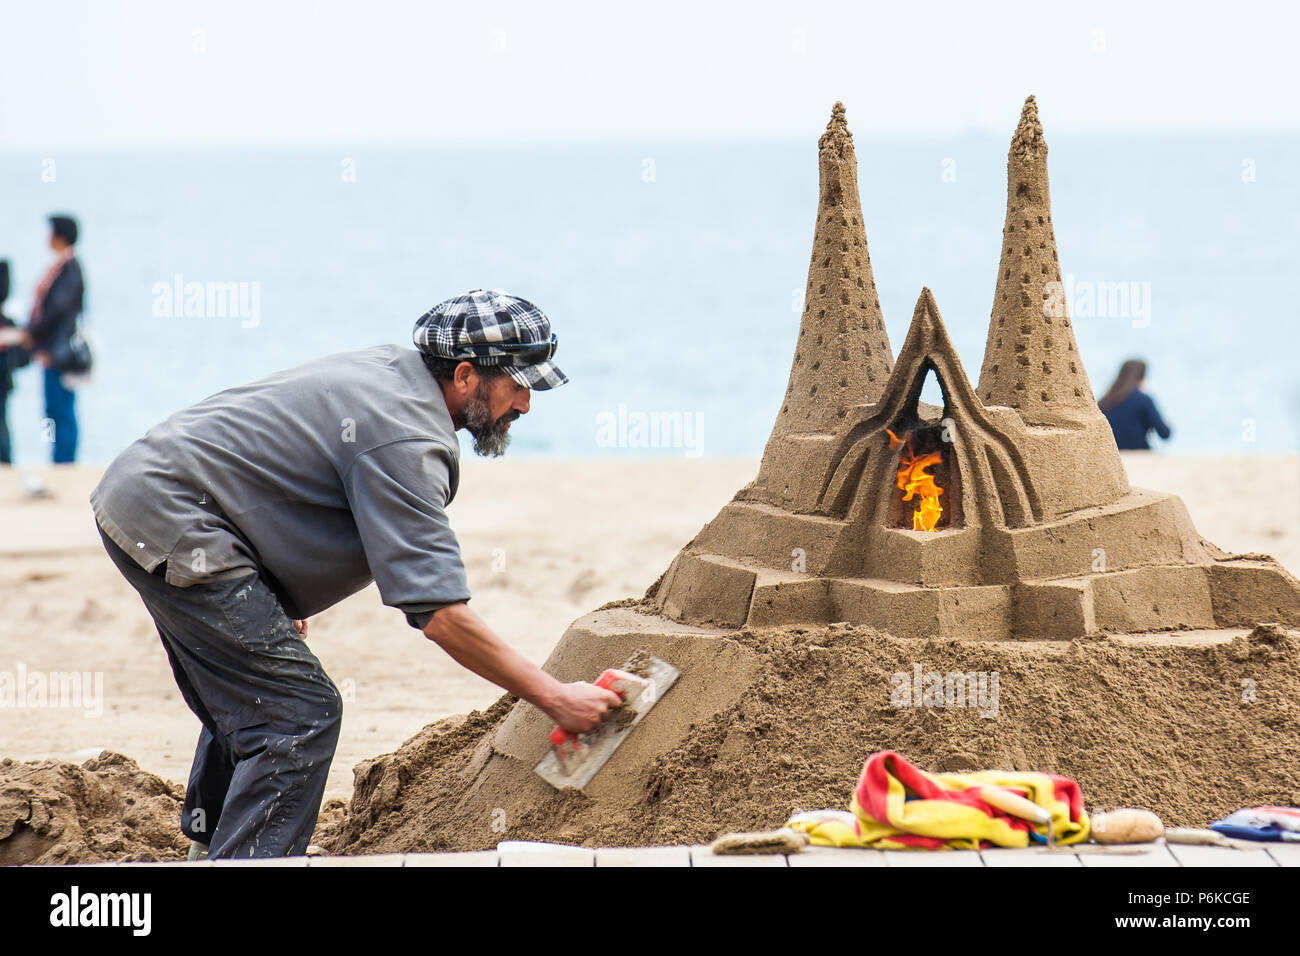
673,272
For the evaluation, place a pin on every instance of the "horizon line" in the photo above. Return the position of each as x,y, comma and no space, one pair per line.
630,139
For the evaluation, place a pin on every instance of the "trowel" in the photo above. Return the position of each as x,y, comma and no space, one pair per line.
575,758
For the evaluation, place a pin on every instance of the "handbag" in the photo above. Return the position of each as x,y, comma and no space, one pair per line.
71,353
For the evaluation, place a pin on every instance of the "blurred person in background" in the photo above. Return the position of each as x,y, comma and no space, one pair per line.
1131,412
10,354
52,334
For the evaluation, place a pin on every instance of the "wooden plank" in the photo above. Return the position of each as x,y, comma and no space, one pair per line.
1285,854
1027,856
278,861
527,853
932,858
1154,855
643,856
370,859
836,856
261,861
703,856
478,858
164,863
1190,855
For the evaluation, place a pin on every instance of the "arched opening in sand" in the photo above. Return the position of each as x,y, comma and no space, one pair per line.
925,494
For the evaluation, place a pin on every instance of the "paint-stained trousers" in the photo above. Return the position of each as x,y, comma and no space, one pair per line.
270,713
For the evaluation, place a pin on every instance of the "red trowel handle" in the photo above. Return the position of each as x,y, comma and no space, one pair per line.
628,686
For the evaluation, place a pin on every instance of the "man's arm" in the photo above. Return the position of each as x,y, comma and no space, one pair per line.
398,494
459,631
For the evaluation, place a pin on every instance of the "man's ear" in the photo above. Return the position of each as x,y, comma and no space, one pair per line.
463,377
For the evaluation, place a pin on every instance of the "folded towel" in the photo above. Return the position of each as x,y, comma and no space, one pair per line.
897,806
1261,823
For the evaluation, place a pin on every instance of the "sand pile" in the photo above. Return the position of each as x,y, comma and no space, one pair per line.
105,809
1164,727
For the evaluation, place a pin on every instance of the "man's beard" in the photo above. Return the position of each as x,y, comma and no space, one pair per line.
490,436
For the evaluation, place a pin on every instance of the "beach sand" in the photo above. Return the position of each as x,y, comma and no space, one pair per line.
544,542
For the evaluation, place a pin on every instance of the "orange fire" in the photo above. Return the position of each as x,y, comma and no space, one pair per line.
913,481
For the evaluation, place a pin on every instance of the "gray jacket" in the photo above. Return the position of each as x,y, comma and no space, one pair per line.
321,478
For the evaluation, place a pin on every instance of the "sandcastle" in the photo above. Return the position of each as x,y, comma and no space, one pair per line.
1040,537
1001,527
1036,532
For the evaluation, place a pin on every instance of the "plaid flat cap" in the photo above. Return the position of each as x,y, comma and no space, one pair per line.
490,327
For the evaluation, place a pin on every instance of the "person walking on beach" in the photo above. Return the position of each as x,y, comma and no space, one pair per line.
56,308
9,353
238,518
1131,412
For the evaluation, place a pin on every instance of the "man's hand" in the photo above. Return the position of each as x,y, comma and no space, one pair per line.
580,706
300,626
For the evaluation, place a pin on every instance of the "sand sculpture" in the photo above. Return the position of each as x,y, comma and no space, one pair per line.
1036,534
1041,536
1036,538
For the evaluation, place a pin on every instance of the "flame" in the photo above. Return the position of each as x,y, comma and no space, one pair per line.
914,481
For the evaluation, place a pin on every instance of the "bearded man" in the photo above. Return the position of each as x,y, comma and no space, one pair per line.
238,518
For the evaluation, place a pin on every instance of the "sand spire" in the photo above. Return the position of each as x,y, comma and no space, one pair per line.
842,355
1031,361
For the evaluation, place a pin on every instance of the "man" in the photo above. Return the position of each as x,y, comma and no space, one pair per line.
240,517
56,307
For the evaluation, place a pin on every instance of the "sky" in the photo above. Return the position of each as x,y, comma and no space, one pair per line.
143,73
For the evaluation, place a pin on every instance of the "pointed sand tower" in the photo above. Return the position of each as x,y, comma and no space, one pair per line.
1031,361
842,355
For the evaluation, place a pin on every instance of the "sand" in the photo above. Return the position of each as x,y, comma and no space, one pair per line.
106,809
1100,711
66,606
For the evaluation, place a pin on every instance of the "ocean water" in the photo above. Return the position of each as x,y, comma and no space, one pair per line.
672,271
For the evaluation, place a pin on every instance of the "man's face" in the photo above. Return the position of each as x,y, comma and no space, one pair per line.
489,410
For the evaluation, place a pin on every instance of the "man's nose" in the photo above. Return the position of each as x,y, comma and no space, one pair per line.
521,403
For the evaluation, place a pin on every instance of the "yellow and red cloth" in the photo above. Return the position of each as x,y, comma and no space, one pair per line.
897,806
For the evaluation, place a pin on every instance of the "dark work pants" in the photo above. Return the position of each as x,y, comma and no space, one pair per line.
61,410
270,713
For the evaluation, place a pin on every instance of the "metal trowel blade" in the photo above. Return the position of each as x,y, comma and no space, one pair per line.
601,743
